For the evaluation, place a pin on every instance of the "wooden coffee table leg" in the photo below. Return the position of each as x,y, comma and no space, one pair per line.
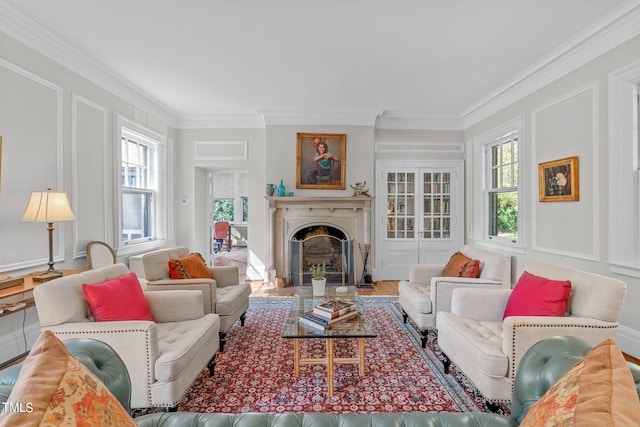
330,367
296,357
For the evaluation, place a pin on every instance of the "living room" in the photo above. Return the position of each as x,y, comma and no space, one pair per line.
62,115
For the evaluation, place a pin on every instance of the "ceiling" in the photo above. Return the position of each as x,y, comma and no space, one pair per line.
414,58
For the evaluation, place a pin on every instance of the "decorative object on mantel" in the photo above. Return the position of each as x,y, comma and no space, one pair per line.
365,279
558,180
281,189
359,190
270,190
320,161
48,206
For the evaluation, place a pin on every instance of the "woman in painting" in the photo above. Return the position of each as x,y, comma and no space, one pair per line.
324,162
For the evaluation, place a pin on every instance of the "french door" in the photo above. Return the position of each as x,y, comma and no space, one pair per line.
419,215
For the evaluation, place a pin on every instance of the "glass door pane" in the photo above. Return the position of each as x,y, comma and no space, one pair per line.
401,205
437,205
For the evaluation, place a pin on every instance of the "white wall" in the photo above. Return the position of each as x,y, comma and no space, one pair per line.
568,117
192,223
57,130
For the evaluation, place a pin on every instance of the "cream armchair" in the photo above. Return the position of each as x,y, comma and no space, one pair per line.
488,350
163,357
224,295
426,293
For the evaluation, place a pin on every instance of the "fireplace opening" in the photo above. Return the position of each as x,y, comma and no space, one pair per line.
321,244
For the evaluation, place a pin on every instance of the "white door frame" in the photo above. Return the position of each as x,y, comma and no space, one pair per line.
415,251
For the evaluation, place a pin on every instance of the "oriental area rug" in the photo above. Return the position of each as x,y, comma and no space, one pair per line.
255,371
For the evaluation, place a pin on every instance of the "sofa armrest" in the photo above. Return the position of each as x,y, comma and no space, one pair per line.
521,332
423,273
208,287
182,282
226,275
442,289
175,305
135,341
480,304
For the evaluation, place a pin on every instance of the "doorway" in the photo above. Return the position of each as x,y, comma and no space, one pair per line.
419,214
229,202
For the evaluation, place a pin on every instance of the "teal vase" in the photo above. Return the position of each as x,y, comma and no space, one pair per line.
281,189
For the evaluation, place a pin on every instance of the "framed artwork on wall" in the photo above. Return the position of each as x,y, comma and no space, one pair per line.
321,161
558,180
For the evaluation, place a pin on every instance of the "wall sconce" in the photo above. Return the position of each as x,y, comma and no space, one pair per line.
49,207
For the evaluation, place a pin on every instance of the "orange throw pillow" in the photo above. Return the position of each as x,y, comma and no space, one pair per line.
598,391
460,265
54,389
189,267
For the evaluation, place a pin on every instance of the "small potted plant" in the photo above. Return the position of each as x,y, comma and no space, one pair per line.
318,278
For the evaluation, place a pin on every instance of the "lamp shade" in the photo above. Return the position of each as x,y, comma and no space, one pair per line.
47,206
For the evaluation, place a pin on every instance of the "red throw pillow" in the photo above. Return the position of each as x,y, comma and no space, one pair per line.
117,299
537,296
460,265
190,267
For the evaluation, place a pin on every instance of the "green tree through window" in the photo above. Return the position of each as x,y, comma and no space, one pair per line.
223,210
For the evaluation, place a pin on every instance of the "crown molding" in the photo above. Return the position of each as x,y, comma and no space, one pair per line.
322,118
221,121
18,24
612,31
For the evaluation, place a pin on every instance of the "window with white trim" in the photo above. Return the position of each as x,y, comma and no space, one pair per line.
139,200
497,206
502,187
624,170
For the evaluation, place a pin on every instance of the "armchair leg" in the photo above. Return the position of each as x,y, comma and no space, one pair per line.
446,363
424,333
223,340
405,316
244,316
212,365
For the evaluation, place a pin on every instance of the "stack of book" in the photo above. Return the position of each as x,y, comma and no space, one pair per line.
329,313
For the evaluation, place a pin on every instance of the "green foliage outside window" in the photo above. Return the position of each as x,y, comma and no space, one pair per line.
223,210
507,214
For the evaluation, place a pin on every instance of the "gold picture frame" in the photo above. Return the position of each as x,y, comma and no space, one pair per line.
558,180
321,161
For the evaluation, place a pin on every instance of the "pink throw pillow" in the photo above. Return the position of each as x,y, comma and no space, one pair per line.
117,299
537,296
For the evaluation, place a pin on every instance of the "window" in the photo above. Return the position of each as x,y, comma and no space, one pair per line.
624,171
223,210
495,205
140,201
502,190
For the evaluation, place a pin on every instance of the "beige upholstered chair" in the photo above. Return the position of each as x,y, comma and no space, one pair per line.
163,357
426,293
223,295
488,349
99,254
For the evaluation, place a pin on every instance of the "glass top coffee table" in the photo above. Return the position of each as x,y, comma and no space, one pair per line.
357,327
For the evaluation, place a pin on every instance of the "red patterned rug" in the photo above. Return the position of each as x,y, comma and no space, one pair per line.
255,371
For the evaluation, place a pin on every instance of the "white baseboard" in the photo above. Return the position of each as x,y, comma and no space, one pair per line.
13,344
629,341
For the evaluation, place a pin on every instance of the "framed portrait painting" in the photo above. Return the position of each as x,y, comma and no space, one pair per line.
558,180
320,161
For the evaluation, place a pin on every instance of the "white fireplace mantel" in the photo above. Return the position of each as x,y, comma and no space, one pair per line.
287,215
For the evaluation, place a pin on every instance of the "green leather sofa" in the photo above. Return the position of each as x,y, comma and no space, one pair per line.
544,364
